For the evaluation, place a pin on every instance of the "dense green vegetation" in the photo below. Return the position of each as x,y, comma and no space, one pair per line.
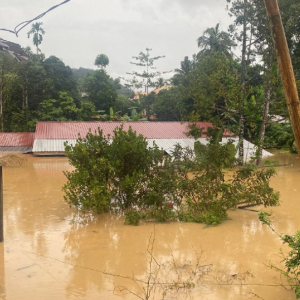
129,176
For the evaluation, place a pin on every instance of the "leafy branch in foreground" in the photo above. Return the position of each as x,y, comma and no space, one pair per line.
291,270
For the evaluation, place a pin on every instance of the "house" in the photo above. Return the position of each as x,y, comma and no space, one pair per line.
51,136
14,50
137,95
16,141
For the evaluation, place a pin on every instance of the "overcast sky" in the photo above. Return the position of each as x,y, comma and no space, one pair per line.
81,29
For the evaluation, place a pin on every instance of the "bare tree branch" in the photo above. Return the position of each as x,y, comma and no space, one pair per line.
20,26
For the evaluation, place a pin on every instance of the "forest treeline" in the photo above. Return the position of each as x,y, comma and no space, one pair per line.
232,81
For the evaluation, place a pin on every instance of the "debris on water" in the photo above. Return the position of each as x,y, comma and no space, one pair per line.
26,267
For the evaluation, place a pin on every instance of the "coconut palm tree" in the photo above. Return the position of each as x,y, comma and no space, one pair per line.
215,40
37,31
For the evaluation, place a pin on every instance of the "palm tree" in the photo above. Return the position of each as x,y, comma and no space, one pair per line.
37,32
215,40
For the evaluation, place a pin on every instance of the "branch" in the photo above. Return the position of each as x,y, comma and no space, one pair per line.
20,26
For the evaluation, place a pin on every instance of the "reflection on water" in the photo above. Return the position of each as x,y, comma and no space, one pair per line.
52,253
2,272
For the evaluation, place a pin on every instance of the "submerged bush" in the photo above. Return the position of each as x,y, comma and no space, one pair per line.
126,175
119,175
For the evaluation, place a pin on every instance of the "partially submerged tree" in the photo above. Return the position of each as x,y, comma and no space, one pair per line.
126,175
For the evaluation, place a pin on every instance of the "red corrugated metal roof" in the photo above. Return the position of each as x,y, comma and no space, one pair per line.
150,130
16,139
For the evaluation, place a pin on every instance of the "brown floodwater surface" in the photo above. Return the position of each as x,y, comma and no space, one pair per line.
50,252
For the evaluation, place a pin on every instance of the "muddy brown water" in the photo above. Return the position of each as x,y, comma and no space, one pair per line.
51,253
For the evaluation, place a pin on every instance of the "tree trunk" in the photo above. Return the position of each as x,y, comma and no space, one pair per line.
243,81
268,95
25,94
285,67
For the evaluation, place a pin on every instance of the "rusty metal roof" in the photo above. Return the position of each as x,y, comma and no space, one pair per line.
15,50
16,139
150,130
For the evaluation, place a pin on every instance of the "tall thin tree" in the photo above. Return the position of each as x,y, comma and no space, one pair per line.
37,31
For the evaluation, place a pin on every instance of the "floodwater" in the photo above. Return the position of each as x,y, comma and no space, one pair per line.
52,253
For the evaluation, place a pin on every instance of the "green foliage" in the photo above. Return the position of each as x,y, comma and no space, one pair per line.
279,135
88,186
133,217
123,105
209,195
215,86
102,61
63,109
117,175
291,261
173,104
128,175
101,90
59,78
215,40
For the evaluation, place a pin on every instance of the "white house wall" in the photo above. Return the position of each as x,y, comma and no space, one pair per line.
56,146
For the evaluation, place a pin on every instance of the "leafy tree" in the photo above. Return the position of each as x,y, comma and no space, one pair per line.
290,10
186,66
101,90
79,75
63,109
123,105
215,86
87,111
279,135
37,31
22,120
7,79
102,61
33,82
172,105
59,78
110,175
128,175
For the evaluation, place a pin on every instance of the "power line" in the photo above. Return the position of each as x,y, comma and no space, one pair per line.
20,26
